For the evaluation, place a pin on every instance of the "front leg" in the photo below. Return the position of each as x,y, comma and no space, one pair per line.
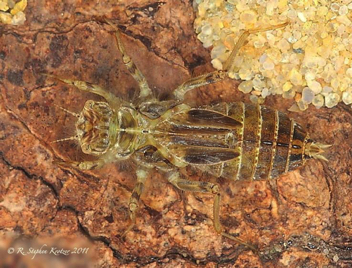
88,87
98,163
84,165
145,91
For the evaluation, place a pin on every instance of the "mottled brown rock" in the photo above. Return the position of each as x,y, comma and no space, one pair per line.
295,221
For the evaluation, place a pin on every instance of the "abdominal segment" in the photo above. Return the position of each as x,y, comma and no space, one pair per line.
236,141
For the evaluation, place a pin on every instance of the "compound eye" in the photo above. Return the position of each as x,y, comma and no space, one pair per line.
86,148
89,104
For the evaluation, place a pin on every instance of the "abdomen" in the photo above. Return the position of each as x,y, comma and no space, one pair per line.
271,144
233,140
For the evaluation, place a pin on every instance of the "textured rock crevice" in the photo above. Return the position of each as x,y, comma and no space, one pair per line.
294,224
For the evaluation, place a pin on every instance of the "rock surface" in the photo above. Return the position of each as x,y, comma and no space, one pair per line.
302,219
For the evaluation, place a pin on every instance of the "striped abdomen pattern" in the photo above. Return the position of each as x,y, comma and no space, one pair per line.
233,140
272,143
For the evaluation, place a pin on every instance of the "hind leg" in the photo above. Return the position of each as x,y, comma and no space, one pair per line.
219,75
206,187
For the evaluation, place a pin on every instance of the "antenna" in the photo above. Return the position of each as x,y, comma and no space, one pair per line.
66,139
67,111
